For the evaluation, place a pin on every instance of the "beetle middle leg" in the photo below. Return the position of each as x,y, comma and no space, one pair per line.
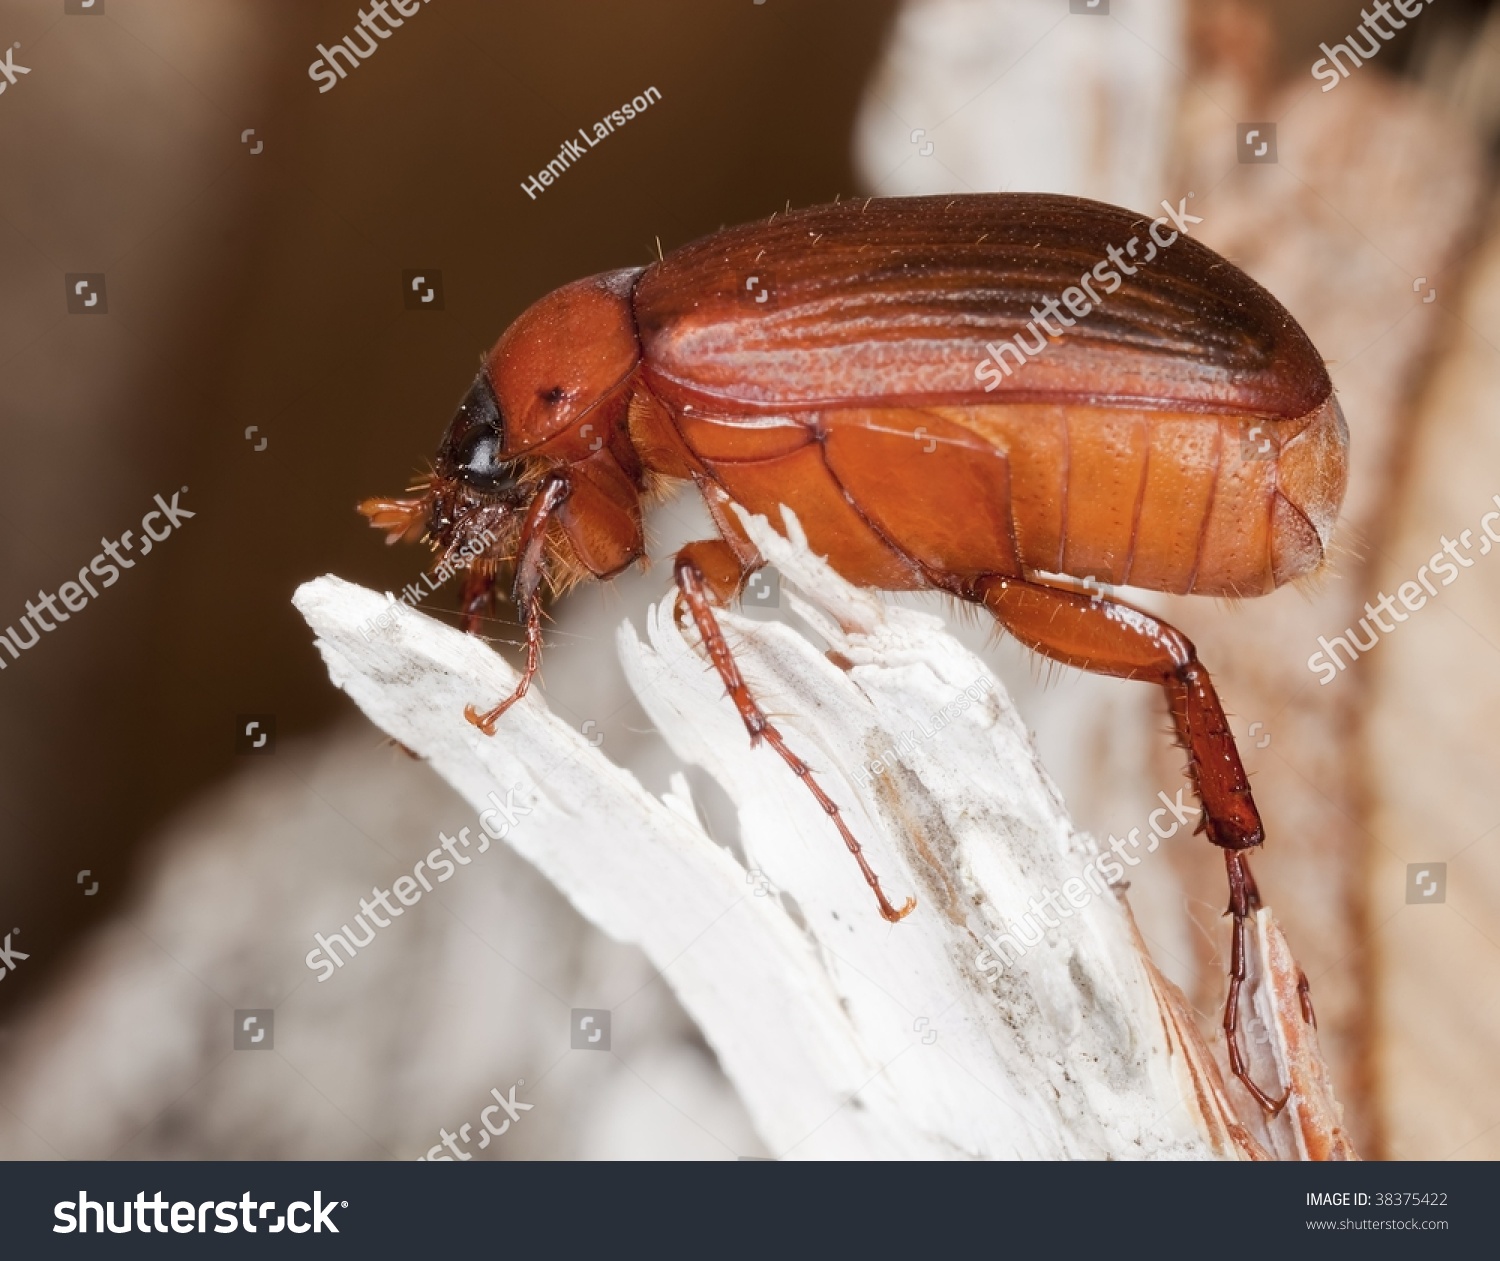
693,585
478,597
1107,636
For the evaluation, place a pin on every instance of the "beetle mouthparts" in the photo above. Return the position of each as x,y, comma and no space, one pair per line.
401,519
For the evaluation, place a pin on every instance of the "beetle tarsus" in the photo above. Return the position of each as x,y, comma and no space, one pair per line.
1244,901
1304,996
486,721
693,588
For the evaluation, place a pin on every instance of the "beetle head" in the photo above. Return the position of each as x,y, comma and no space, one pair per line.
551,392
473,498
476,491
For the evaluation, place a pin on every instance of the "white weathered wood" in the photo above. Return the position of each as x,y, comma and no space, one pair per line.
1022,96
845,1036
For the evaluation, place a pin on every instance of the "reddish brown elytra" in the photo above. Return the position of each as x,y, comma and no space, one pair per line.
884,369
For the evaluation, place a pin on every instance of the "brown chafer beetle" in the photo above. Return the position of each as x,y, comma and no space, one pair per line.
984,395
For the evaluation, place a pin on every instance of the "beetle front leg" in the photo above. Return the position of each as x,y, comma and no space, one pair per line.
530,570
486,721
694,588
1107,636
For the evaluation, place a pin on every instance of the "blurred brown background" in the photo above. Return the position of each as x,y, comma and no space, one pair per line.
264,289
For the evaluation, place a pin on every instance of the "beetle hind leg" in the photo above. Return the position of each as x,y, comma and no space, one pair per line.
1105,636
694,587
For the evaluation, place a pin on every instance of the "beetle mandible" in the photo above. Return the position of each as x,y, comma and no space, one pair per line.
985,395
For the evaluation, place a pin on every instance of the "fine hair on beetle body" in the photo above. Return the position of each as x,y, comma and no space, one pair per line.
1183,438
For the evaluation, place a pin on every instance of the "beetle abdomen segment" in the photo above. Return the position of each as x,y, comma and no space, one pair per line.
1184,502
1312,472
1178,502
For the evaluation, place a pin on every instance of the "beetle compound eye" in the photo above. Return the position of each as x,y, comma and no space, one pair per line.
472,449
477,457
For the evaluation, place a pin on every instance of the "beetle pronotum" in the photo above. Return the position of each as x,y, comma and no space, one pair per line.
1176,432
